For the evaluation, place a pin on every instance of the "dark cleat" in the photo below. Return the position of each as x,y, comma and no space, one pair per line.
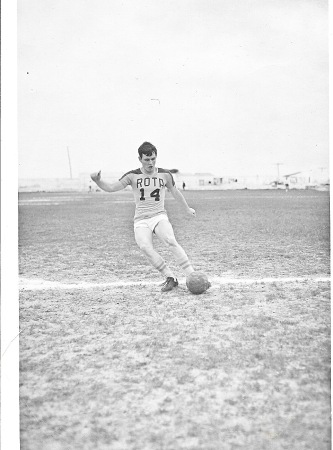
169,284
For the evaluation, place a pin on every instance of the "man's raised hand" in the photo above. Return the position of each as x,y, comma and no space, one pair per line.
96,176
191,212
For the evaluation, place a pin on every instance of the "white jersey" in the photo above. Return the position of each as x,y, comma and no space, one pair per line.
148,190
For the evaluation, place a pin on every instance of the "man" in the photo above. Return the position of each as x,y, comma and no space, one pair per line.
149,184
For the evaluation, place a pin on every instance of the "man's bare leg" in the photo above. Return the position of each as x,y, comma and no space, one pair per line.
144,239
165,234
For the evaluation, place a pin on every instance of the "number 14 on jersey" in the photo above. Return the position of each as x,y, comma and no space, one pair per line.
155,193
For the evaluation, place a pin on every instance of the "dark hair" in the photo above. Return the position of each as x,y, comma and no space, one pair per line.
147,149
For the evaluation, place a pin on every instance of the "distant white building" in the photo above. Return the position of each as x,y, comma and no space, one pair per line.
198,181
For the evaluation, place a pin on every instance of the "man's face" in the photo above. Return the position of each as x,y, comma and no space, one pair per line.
148,162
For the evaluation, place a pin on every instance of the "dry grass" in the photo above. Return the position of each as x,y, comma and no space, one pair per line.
243,367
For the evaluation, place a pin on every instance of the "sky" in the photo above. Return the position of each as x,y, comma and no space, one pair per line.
230,87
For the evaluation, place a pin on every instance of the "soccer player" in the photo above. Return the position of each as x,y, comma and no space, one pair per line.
149,184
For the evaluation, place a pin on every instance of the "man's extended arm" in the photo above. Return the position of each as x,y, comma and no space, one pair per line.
108,187
178,196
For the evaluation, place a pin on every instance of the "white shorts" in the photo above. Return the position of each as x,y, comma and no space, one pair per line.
150,223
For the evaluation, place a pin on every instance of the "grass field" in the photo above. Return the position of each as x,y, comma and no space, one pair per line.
107,361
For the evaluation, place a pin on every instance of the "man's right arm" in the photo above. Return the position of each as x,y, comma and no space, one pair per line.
108,187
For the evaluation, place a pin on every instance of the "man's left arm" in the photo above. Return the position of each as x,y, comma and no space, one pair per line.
178,196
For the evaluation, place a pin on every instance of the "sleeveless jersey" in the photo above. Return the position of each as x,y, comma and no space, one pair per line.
148,190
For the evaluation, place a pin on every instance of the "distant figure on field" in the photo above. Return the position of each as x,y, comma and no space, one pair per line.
149,184
287,185
184,185
89,187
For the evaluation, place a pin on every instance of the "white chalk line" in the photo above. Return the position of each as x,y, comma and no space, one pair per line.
28,284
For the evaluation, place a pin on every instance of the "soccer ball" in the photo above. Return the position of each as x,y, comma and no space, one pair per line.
197,282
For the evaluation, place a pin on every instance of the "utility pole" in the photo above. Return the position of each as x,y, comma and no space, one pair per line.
278,170
69,161
321,169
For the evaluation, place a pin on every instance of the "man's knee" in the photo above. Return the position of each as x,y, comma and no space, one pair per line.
145,247
170,241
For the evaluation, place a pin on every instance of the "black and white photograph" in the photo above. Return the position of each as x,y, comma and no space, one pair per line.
173,226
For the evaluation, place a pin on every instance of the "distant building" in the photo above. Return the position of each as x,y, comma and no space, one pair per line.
204,181
312,179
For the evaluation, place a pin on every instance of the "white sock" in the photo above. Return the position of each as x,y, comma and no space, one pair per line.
182,259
